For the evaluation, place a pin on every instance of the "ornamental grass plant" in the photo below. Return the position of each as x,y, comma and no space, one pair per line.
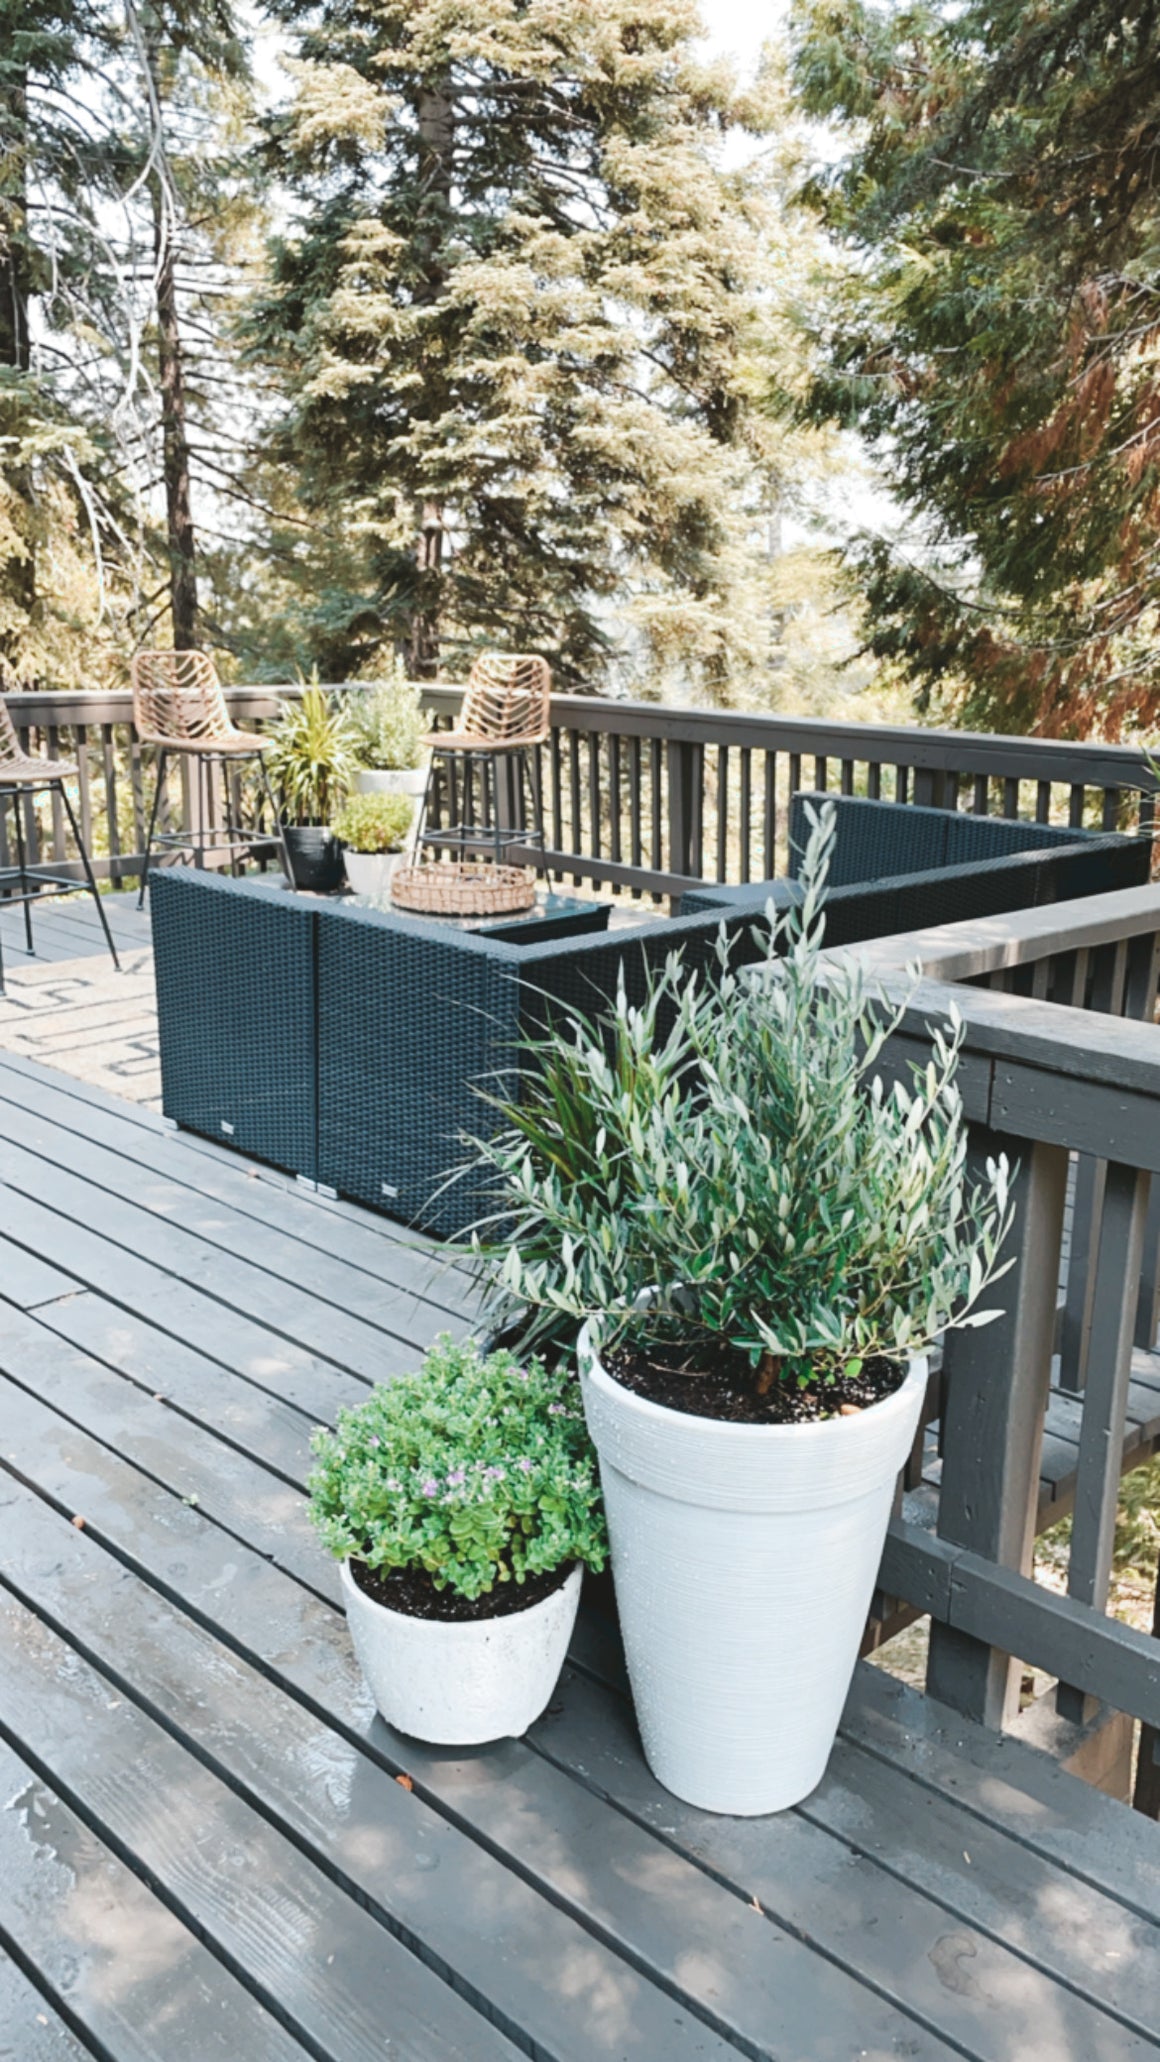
476,1470
750,1166
313,756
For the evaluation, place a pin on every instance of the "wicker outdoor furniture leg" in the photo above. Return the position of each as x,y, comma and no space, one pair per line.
87,863
157,794
22,862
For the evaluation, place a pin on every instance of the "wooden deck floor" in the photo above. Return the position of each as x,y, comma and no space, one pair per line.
204,1850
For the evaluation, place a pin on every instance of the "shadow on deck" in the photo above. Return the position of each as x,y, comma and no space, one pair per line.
203,1849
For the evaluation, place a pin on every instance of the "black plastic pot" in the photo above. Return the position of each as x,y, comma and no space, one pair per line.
315,857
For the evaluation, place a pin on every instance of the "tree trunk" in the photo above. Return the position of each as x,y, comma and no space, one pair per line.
436,149
174,435
19,573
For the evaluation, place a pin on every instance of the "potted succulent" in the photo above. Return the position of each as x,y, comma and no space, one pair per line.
463,1503
371,830
760,1241
392,730
312,762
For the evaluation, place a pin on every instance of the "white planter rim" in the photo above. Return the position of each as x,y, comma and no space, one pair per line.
570,1572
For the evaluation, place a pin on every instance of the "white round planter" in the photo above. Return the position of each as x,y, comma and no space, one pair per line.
369,873
744,1559
459,1685
390,780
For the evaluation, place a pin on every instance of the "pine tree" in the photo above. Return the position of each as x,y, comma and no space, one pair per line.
511,323
999,343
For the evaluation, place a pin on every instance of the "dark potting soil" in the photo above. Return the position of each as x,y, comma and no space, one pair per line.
412,1591
718,1381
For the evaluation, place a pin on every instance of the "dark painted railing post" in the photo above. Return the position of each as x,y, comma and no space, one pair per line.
682,767
1115,1280
997,1382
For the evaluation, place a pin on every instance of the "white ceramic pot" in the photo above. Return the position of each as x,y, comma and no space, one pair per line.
459,1685
744,1559
369,873
390,780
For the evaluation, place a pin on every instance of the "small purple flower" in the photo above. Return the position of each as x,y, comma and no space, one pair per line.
429,1488
557,1410
493,1474
457,1478
525,1466
393,1486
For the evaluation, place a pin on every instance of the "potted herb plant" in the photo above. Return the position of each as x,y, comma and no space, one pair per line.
371,830
392,729
761,1241
463,1503
311,763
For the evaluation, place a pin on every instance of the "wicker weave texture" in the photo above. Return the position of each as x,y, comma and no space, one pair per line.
411,1022
446,888
506,704
877,841
235,1006
178,702
19,768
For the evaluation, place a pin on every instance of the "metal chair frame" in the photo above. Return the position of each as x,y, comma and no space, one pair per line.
505,713
21,774
179,709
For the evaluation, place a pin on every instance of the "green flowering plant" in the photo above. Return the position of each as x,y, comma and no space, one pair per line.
476,1469
391,725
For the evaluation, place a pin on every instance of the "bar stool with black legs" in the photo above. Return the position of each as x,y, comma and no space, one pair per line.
505,713
23,773
179,708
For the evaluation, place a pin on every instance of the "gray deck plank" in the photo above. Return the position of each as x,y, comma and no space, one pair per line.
948,1974
390,1848
298,1642
30,2029
325,1327
339,1979
239,1343
1002,1782
259,1424
240,1495
108,1951
388,1253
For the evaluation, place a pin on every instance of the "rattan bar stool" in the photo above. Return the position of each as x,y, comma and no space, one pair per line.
505,712
179,708
21,774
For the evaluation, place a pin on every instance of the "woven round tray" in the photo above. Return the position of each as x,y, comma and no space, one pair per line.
447,889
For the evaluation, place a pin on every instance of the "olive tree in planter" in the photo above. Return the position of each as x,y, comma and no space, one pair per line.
312,762
761,1241
392,727
371,830
463,1503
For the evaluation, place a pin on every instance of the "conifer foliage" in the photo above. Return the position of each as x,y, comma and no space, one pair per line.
999,340
511,318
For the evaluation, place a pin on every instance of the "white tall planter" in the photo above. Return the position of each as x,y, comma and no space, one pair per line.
461,1684
369,873
390,780
744,1558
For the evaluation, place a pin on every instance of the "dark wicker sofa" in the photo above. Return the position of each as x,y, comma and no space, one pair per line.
348,1045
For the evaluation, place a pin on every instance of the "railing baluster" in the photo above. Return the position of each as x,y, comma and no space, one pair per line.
614,800
112,823
574,844
722,812
656,795
1101,1442
1109,966
746,811
557,791
982,794
902,783
28,805
1111,817
1043,801
59,847
1075,805
634,778
85,797
769,819
847,776
698,851
594,792
795,773
821,769
874,780
997,1382
1011,798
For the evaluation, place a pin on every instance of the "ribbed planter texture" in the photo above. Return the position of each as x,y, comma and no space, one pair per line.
390,780
369,873
460,1685
744,1559
315,857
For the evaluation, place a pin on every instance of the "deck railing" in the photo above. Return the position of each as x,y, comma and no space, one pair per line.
637,797
1061,1071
